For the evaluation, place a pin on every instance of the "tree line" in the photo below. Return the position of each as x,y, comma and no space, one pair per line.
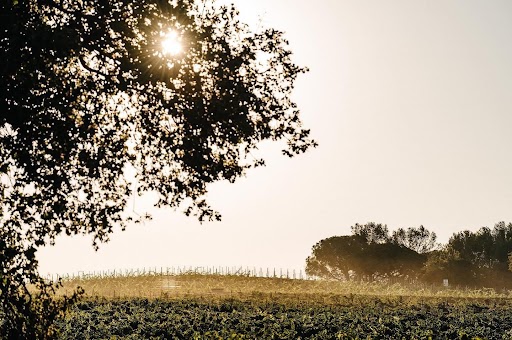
373,253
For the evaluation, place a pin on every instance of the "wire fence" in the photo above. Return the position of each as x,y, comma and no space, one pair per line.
169,277
241,271
256,272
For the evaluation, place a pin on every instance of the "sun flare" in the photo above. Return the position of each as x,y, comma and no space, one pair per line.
171,43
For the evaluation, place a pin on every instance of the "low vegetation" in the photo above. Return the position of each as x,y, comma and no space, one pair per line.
238,307
363,318
197,285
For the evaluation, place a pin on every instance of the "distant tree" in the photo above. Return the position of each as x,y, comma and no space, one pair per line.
448,264
419,239
502,243
372,232
486,248
389,260
478,258
360,255
335,257
466,244
94,110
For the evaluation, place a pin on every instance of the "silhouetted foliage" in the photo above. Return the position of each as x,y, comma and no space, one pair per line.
92,112
487,253
447,264
470,259
384,260
486,248
368,254
372,232
335,257
28,309
474,258
419,239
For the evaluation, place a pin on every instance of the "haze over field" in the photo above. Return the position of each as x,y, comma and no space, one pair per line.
410,102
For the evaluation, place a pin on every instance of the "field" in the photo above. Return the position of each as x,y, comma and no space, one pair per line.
239,307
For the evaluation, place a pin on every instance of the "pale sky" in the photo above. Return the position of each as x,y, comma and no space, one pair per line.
411,103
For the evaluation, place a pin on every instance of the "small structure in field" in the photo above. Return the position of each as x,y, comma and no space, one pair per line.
169,282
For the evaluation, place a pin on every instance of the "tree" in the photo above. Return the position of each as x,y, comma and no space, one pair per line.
93,110
27,312
448,264
334,258
419,239
369,253
474,258
502,245
486,248
385,260
372,232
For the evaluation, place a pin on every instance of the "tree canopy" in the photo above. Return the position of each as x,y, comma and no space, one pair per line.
480,258
485,248
336,257
369,253
470,259
418,239
94,110
87,93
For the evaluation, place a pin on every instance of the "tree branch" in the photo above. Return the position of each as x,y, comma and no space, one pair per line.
90,69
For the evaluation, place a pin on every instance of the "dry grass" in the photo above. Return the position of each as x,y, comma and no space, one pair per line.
153,286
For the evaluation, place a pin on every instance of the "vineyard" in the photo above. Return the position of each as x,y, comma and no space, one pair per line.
159,282
194,306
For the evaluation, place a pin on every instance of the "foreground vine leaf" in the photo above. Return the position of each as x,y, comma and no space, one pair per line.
95,99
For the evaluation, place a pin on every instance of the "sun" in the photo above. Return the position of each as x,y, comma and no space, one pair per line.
171,43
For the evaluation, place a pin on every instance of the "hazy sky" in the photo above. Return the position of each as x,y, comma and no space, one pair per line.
411,103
